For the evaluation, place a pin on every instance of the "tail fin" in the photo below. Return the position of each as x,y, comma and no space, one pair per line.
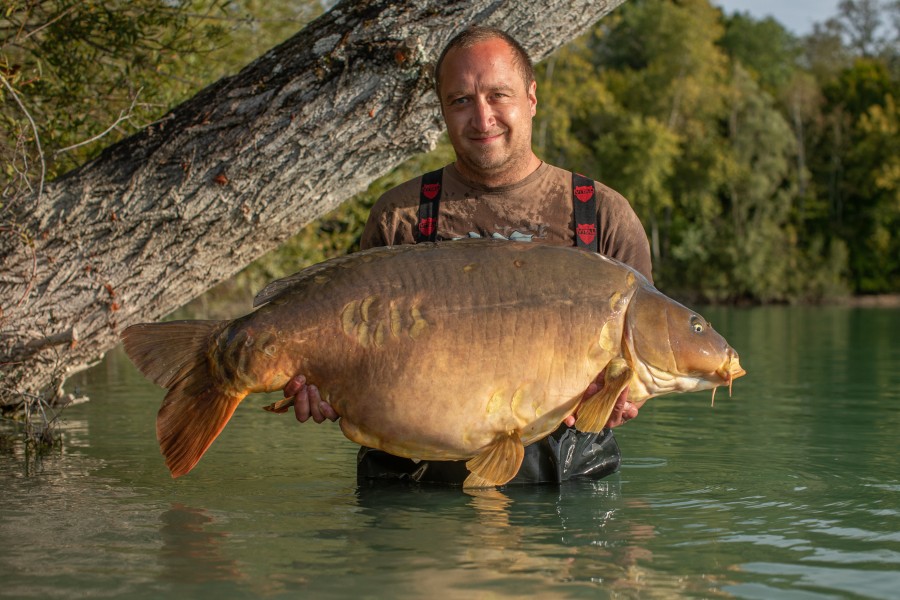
174,355
190,419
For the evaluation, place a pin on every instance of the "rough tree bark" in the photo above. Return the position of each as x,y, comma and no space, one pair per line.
228,175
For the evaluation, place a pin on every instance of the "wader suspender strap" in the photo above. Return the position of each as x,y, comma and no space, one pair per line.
584,203
429,204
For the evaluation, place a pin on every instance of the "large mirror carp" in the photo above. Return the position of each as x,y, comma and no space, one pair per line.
465,350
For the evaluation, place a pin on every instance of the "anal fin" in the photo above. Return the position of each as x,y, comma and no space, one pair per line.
594,413
496,464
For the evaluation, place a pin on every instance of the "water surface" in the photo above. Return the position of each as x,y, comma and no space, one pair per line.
789,489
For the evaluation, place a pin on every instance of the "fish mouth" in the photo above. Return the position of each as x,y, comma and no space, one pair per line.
730,370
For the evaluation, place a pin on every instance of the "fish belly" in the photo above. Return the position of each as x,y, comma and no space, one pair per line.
448,407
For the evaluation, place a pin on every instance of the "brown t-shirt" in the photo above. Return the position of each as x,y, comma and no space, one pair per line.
539,207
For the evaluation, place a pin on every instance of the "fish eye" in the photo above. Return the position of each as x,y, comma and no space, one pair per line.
697,324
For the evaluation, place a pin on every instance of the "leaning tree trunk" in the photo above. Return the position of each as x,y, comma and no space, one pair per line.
228,175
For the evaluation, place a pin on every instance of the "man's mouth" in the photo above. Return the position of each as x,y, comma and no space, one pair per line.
486,139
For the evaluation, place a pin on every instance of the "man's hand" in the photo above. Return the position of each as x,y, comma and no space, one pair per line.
623,411
307,402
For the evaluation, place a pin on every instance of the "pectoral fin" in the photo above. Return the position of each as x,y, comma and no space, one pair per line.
496,464
594,413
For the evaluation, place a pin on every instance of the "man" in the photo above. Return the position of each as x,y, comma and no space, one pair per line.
498,187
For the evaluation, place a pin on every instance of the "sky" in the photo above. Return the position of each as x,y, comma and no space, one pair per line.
797,16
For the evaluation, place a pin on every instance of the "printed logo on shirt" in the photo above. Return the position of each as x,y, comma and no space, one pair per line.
426,226
586,233
584,192
515,236
431,190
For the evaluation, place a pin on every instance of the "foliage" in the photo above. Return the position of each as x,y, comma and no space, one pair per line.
764,167
77,64
863,144
90,72
764,48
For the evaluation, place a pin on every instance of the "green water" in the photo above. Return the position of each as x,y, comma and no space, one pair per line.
790,489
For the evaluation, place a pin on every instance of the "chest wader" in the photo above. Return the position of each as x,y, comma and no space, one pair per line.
564,454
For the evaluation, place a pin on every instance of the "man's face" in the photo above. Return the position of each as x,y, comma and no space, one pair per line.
488,112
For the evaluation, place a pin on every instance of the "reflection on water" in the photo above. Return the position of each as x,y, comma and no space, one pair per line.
191,551
789,489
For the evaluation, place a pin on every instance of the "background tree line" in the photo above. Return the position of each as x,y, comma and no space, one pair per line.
764,166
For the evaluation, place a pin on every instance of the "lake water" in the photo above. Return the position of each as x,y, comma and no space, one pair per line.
789,489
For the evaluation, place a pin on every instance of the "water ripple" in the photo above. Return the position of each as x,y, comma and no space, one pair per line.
882,585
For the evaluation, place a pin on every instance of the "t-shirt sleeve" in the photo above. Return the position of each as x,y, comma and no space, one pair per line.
623,238
393,218
375,233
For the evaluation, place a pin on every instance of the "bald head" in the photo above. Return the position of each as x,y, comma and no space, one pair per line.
472,36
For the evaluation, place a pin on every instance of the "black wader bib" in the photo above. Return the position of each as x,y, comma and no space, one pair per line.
564,454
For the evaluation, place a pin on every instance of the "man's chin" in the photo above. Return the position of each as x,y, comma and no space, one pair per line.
487,162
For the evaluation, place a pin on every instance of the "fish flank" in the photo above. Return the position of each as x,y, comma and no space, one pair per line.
614,300
396,321
419,324
367,306
520,405
362,334
348,317
368,321
379,334
495,404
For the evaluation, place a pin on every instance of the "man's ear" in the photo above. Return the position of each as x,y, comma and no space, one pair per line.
532,97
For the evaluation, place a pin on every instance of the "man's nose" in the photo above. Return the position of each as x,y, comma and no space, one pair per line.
483,115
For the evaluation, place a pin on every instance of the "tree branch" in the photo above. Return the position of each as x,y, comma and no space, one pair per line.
123,116
37,136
